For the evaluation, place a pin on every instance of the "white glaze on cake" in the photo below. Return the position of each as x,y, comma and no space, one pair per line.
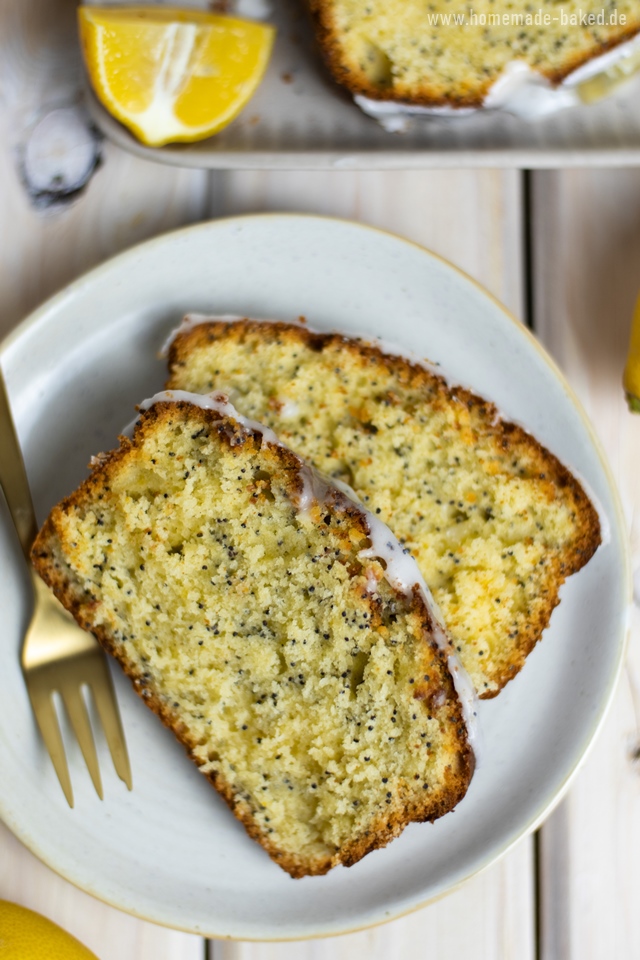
218,402
402,572
519,90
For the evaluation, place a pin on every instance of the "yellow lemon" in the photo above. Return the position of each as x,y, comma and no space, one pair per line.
170,74
631,378
25,935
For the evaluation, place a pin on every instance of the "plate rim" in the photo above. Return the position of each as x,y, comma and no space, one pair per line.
39,314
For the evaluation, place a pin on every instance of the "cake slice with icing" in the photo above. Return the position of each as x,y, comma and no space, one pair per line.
278,629
453,57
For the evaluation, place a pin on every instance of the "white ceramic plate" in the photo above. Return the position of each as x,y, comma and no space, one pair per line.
170,851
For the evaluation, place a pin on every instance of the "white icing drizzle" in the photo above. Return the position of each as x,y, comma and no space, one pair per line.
402,573
212,401
125,432
401,570
527,94
598,65
315,488
393,115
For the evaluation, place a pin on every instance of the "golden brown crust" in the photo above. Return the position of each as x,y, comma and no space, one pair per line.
51,566
356,81
505,435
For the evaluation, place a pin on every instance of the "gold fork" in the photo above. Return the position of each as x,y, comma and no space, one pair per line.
57,655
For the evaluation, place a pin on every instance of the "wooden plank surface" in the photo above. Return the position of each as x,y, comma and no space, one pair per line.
587,276
474,219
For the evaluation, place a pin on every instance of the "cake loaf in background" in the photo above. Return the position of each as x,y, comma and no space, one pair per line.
273,625
495,522
450,55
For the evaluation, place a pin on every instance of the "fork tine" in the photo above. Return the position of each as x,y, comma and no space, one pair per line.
105,699
77,712
46,717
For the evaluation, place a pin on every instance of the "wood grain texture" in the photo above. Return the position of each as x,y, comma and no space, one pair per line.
474,219
587,276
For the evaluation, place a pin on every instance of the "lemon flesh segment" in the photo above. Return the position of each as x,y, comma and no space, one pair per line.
173,75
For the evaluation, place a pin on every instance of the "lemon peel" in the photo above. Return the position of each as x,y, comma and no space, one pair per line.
169,74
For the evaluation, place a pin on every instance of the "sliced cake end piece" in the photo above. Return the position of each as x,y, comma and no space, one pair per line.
450,55
247,600
494,520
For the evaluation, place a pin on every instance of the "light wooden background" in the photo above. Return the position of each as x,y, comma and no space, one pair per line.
562,250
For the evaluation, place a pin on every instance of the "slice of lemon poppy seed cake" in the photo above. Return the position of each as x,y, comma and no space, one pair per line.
450,54
274,626
494,520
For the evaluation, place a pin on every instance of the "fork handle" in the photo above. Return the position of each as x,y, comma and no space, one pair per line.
13,476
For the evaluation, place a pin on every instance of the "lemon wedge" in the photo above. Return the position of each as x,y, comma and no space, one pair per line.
173,74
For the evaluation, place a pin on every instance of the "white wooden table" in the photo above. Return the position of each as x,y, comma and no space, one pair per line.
562,251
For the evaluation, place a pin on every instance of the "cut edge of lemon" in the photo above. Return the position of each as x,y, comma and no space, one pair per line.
181,66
